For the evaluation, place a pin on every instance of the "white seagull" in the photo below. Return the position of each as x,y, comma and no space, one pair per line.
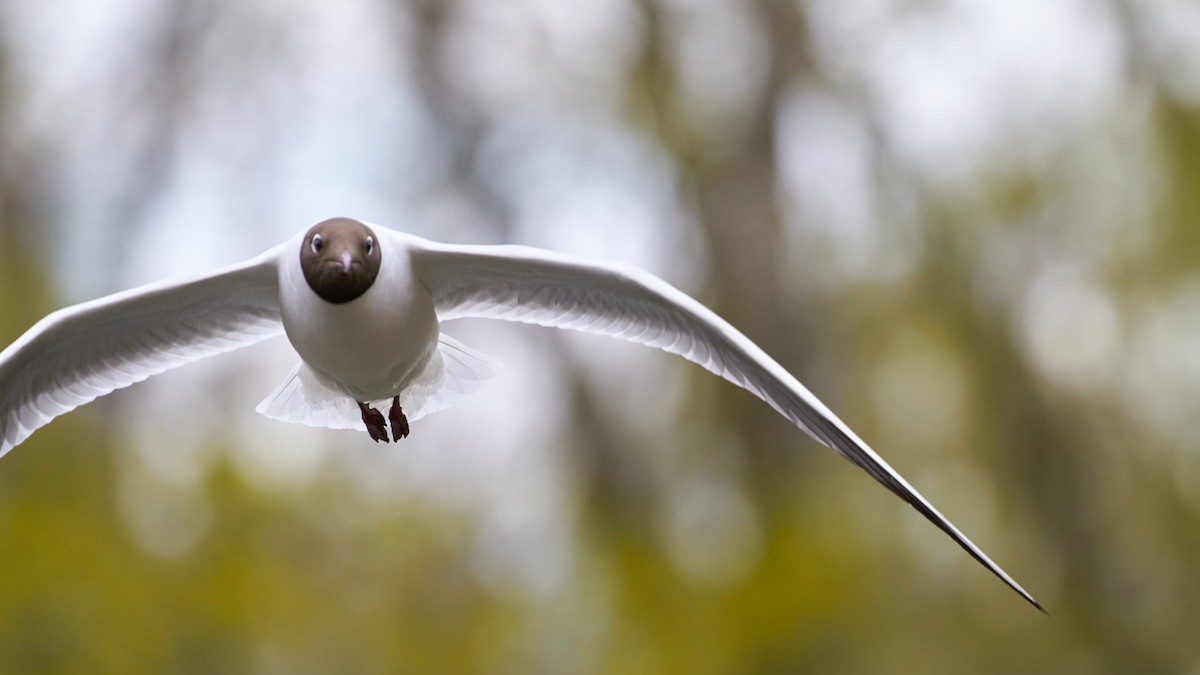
362,304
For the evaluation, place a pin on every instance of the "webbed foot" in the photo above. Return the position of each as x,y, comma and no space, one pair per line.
376,425
398,419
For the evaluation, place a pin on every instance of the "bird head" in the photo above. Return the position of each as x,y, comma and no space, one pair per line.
340,259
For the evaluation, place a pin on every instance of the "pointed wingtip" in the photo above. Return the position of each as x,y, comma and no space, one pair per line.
1037,604
934,516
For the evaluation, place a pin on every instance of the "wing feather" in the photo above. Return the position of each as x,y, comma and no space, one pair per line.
79,353
531,285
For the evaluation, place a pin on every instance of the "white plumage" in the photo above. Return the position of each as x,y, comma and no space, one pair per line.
387,343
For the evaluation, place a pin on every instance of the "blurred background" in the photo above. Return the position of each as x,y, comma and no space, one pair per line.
970,226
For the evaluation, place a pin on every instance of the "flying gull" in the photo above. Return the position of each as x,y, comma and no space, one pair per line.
362,305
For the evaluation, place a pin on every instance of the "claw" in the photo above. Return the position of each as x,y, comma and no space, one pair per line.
399,420
376,426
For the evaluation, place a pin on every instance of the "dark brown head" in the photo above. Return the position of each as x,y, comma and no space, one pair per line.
340,259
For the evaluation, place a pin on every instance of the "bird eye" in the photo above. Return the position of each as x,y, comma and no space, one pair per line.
317,243
370,245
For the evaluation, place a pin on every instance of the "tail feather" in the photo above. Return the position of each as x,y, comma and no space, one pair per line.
454,371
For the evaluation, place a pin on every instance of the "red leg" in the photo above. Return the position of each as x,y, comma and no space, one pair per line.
399,420
376,426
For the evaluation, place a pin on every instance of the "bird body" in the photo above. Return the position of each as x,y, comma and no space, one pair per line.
362,305
369,349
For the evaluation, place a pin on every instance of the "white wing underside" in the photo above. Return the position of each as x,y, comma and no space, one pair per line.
453,372
530,285
80,353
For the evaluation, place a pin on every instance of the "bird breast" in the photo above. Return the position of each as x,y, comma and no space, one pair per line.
371,347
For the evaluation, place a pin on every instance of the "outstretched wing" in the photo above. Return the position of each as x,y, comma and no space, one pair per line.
536,286
80,353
